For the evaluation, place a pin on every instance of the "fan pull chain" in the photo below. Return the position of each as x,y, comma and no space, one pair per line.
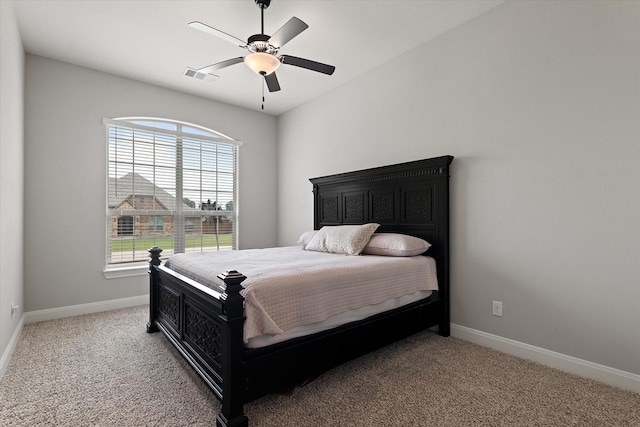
263,94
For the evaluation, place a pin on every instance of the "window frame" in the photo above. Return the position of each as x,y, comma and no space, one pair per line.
184,133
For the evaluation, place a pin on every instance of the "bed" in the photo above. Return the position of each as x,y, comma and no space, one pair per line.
207,324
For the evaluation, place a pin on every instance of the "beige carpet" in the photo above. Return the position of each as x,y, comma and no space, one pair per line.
105,370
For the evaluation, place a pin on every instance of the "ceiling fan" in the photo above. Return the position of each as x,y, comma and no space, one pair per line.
263,49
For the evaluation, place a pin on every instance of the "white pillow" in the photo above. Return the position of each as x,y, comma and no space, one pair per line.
342,239
390,244
306,237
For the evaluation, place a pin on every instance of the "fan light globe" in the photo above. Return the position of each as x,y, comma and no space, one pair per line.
262,63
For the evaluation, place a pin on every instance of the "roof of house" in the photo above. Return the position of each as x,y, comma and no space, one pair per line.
121,189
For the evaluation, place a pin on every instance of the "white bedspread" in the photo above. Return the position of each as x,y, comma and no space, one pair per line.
288,286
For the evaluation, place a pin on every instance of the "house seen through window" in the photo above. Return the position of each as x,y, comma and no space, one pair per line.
169,184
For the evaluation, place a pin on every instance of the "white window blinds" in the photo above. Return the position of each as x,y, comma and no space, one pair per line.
169,184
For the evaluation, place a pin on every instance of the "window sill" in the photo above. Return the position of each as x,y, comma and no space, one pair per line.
128,271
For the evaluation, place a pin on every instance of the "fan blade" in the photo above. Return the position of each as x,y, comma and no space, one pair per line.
308,64
218,65
210,30
292,28
272,82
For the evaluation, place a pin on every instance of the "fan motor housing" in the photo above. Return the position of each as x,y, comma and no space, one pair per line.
260,43
258,38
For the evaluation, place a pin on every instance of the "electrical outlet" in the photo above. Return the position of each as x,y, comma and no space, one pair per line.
496,308
13,308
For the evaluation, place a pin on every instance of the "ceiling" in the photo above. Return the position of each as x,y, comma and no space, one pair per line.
150,41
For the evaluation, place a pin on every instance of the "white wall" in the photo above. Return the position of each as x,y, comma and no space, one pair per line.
11,175
65,175
540,104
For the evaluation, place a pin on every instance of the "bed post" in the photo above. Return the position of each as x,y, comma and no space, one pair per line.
233,378
444,328
154,261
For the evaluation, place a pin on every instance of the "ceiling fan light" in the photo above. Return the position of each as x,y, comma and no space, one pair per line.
262,63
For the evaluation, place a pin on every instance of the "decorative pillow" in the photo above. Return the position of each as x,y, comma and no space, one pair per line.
306,237
390,244
342,239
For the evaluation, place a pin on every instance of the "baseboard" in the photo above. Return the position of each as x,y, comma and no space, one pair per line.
77,310
583,368
6,356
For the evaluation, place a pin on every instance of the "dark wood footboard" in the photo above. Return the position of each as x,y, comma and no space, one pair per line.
206,327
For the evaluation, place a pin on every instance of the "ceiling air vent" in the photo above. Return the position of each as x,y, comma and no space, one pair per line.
190,72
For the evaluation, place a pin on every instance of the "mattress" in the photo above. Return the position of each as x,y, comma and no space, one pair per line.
337,320
288,289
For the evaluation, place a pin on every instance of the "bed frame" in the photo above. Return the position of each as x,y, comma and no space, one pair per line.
207,326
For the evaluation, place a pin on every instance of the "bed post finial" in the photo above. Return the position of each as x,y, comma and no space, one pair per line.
234,301
154,261
154,255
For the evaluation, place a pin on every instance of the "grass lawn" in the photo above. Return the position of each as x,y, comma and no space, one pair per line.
206,240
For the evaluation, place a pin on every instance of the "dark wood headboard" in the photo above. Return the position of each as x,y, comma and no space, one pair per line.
409,198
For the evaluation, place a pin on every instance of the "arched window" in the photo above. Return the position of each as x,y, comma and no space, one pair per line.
163,176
